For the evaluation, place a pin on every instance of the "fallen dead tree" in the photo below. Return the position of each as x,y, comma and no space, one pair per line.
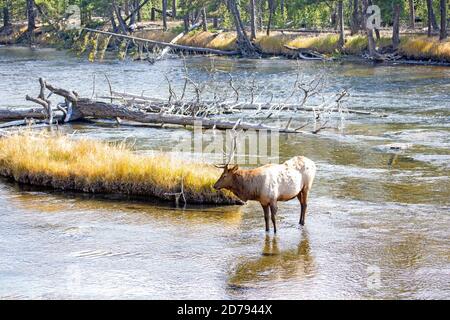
174,46
159,104
26,113
239,96
190,108
77,108
306,54
166,50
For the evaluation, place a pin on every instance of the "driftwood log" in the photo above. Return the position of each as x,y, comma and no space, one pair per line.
7,114
87,108
306,54
167,49
77,108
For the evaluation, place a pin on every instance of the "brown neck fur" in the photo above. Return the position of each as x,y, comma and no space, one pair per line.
243,185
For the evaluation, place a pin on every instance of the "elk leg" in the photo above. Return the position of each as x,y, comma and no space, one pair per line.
266,216
299,197
273,209
303,197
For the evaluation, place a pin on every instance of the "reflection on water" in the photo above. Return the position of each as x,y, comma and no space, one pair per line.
371,208
32,198
293,264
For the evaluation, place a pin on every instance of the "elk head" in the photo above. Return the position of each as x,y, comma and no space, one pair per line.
226,179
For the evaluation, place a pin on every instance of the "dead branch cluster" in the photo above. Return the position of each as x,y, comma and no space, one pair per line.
220,101
221,93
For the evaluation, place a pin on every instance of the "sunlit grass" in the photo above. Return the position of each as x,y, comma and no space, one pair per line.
417,47
157,35
273,44
425,48
326,44
358,44
206,39
62,162
420,47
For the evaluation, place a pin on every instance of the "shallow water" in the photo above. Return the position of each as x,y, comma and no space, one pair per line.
378,222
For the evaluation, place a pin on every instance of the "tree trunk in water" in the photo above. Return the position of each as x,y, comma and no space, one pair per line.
396,26
174,9
341,24
253,19
31,19
244,45
204,21
355,18
412,15
443,33
164,14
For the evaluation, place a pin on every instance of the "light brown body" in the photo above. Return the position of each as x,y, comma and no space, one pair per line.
271,183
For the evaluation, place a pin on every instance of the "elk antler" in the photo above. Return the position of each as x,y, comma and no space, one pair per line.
230,156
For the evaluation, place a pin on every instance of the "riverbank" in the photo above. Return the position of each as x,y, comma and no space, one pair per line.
60,162
412,47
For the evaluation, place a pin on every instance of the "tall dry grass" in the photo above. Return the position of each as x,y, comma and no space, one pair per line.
326,44
58,161
205,39
412,47
425,48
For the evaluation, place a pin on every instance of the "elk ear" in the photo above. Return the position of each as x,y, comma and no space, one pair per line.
234,168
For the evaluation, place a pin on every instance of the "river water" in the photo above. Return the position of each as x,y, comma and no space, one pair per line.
378,222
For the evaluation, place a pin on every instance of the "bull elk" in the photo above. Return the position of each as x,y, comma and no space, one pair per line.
271,183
